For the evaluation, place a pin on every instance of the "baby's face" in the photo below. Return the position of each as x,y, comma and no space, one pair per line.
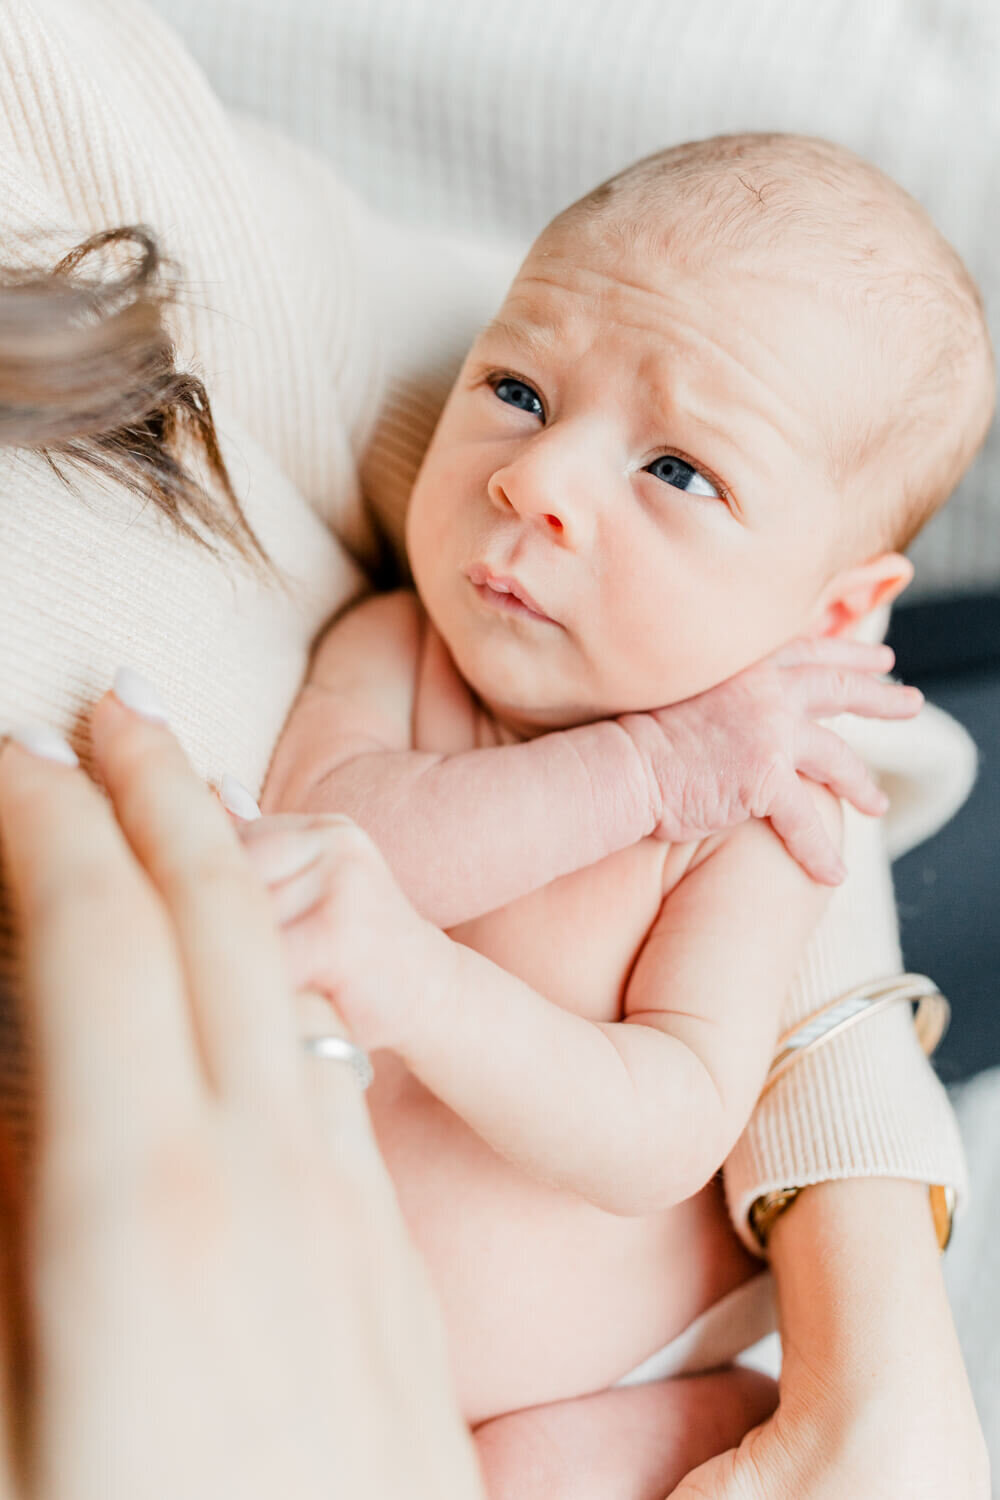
640,450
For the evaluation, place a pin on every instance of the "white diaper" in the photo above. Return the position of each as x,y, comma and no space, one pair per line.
743,1322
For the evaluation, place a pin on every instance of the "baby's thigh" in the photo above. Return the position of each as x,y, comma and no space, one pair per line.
629,1443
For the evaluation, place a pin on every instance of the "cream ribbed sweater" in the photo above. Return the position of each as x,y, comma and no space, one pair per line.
303,314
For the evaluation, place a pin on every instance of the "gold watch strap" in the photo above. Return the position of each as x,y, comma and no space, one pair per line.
766,1210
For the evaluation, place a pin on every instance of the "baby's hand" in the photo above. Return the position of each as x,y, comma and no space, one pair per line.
347,929
738,750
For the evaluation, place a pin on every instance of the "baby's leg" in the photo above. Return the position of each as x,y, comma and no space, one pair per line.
627,1443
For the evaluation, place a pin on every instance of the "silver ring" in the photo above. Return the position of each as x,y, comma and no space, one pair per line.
339,1049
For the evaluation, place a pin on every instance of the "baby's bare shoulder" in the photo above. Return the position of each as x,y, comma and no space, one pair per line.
358,695
394,681
382,634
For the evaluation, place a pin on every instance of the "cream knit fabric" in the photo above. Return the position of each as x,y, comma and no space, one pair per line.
311,323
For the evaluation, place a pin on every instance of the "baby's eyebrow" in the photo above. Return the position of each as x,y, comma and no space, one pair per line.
540,339
535,339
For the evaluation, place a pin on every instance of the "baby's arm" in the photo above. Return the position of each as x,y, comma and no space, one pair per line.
470,832
633,1115
465,833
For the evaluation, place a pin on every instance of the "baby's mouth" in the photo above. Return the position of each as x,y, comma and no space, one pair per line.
505,593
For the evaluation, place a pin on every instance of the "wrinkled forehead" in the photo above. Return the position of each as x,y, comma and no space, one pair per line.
715,303
727,334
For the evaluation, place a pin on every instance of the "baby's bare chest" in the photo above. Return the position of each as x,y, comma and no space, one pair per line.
575,940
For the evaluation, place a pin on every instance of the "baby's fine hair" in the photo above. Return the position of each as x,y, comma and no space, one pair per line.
925,382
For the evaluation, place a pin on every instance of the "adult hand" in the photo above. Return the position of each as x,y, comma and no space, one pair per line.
222,1297
874,1398
816,1447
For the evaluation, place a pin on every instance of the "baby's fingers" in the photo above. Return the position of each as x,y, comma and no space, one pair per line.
836,651
826,758
795,819
824,692
279,845
301,892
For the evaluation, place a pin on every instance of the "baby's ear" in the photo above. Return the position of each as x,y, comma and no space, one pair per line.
854,592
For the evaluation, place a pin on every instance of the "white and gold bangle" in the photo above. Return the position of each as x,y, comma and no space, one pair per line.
931,1018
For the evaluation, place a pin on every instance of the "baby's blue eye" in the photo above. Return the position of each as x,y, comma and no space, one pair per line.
516,393
682,475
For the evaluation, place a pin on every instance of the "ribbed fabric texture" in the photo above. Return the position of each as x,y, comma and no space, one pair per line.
326,338
484,119
867,1095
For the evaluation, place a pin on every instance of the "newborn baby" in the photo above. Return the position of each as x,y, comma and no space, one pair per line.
724,391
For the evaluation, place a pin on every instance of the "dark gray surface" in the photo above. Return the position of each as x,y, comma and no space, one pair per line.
948,889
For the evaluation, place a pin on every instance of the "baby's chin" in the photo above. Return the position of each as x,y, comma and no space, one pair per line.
526,719
526,712
526,716
532,688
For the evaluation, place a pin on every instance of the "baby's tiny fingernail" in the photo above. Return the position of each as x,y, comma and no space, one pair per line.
236,799
139,695
882,802
839,871
41,740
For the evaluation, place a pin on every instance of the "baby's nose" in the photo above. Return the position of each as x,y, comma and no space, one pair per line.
508,496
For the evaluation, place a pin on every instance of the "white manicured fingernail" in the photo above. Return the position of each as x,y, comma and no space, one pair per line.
41,740
139,695
236,799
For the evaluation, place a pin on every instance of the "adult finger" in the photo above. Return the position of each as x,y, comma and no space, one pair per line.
13,1315
104,998
237,799
334,1097
723,1478
824,692
836,651
824,757
288,849
795,819
237,983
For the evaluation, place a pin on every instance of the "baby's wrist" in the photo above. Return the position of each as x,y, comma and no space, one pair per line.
427,975
651,760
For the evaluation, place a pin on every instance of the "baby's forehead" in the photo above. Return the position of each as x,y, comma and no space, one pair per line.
735,317
838,230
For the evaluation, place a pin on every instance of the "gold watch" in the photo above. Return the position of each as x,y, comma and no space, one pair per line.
768,1208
